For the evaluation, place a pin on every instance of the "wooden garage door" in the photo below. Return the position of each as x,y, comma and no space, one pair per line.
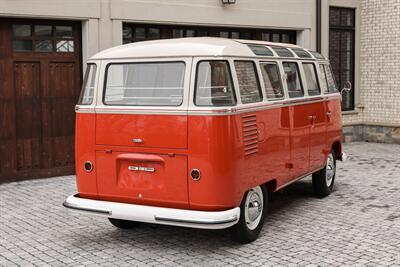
40,76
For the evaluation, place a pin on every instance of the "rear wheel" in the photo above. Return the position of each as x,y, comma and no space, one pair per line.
252,214
123,224
323,180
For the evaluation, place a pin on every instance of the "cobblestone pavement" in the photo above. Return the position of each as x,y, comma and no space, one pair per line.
359,224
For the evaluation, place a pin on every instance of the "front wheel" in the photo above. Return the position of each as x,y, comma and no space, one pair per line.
252,214
324,179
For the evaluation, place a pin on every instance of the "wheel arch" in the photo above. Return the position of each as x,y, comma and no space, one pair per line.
271,186
337,146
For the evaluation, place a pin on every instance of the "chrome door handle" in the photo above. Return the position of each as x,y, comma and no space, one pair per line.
137,140
328,113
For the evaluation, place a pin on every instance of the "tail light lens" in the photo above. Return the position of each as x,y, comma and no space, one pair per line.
88,166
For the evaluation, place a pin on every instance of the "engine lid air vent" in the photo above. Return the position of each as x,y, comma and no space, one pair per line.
250,134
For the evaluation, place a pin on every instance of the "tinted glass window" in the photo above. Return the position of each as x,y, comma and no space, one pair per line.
214,84
311,79
324,82
293,80
272,80
330,79
87,92
249,87
145,84
301,53
282,52
317,55
261,50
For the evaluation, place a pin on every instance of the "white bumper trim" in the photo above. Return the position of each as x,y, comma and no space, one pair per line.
151,214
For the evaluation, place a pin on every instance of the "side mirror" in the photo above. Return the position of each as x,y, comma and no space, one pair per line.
346,88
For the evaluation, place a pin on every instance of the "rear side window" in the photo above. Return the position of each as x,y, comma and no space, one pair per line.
324,81
311,79
214,85
145,84
293,80
272,80
330,80
87,92
249,87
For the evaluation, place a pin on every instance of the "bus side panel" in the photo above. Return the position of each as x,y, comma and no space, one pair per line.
230,165
270,162
85,151
213,144
334,123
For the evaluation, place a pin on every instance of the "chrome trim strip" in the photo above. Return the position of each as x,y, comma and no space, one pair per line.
210,111
86,209
190,221
297,179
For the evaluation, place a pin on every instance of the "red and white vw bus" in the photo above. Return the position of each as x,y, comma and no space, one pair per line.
196,132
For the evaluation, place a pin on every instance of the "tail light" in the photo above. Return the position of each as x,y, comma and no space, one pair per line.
88,166
195,174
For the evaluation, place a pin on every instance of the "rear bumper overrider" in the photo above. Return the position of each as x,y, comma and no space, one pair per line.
158,215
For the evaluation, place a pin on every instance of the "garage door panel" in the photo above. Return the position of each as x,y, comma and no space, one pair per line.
28,119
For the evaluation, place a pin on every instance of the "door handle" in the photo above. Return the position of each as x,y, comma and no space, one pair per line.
328,113
137,140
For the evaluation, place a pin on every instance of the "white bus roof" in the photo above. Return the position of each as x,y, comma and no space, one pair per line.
201,46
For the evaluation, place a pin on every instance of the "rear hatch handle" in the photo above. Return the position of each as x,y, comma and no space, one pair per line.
141,157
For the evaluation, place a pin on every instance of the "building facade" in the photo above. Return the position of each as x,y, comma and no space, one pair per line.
45,43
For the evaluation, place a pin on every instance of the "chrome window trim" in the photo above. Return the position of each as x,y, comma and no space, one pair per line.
104,63
223,111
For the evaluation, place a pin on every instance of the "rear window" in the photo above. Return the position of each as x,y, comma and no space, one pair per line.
324,82
145,84
293,80
214,85
249,87
87,92
330,79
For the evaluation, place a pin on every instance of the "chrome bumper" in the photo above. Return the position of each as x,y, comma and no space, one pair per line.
151,214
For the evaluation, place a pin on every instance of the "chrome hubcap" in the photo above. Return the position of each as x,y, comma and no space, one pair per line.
253,207
330,170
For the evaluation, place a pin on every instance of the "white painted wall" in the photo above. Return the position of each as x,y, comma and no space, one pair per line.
102,19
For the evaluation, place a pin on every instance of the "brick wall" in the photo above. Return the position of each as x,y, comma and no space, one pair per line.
379,64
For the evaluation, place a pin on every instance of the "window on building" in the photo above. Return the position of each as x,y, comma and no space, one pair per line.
214,85
141,32
250,91
272,80
342,48
310,73
293,80
43,38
